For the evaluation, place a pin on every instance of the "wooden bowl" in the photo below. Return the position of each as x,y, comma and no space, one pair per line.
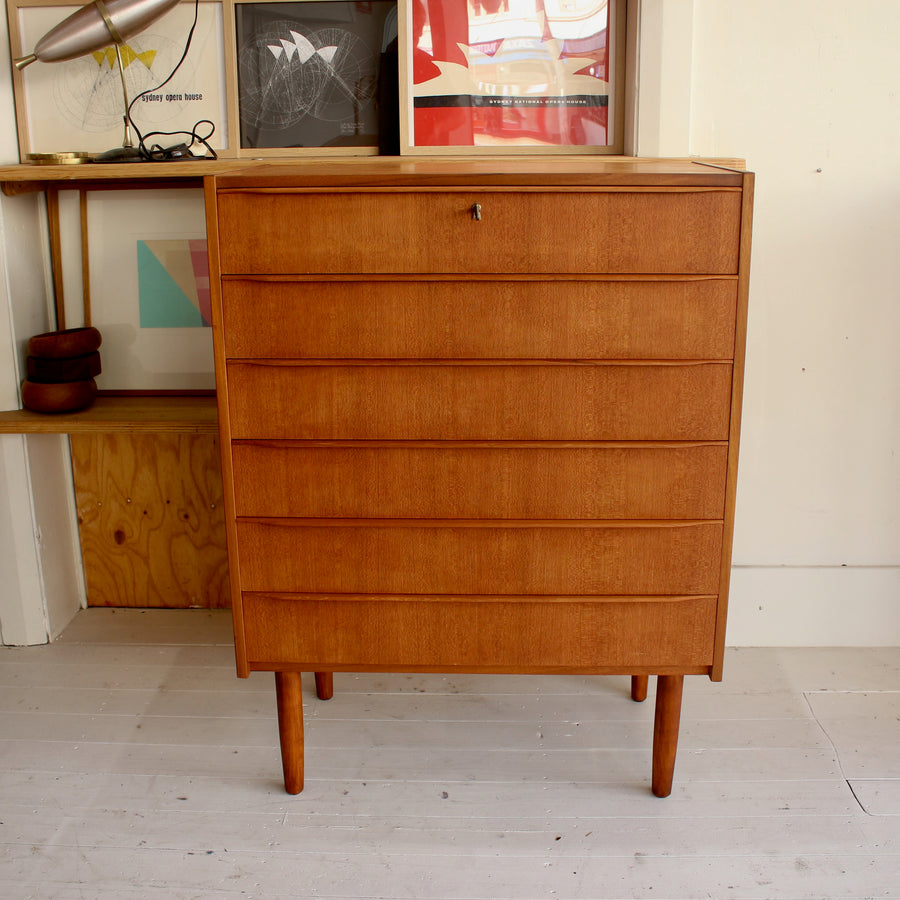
58,398
64,344
54,371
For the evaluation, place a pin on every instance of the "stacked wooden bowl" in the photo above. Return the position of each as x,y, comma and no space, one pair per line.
60,370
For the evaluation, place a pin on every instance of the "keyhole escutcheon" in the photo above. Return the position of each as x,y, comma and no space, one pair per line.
476,212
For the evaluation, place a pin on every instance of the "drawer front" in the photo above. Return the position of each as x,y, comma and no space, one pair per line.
448,634
675,231
470,482
479,558
480,319
677,401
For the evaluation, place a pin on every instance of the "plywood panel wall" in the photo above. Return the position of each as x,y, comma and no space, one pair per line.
150,519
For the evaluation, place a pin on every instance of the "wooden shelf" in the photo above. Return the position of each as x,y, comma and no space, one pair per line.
131,415
24,179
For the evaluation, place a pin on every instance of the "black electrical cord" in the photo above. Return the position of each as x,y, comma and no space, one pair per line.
180,151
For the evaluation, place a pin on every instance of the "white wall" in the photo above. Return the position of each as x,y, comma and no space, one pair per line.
41,585
794,87
807,92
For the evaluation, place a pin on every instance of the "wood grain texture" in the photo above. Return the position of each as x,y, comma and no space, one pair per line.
215,281
289,700
639,684
85,256
540,171
56,267
737,394
129,415
480,402
442,481
151,520
289,171
487,634
554,319
494,443
416,557
666,724
524,232
324,685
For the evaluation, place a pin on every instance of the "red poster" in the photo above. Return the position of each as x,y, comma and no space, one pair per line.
501,73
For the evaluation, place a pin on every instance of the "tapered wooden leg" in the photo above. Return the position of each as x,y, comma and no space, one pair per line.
324,685
289,698
665,731
639,687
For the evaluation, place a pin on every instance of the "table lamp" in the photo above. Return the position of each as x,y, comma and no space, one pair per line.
94,26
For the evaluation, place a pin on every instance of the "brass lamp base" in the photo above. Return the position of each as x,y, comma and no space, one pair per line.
120,155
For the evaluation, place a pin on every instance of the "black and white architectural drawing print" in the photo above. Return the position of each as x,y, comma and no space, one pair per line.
308,72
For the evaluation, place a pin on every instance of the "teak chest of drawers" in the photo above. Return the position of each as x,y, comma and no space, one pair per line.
480,416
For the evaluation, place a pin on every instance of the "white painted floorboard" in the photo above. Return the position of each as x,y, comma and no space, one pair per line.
135,765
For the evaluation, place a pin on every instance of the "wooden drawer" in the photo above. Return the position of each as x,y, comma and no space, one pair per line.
440,481
677,401
556,319
465,633
690,231
422,557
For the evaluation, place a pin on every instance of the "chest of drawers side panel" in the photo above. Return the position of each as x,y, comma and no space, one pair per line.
213,236
740,350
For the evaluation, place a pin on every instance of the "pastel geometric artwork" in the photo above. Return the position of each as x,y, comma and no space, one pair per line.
173,284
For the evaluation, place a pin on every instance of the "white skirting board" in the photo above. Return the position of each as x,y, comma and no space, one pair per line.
814,606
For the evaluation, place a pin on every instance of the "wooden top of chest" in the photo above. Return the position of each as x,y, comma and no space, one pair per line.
380,171
581,171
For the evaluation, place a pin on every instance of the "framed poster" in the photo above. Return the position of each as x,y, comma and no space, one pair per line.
149,287
507,76
78,104
314,76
